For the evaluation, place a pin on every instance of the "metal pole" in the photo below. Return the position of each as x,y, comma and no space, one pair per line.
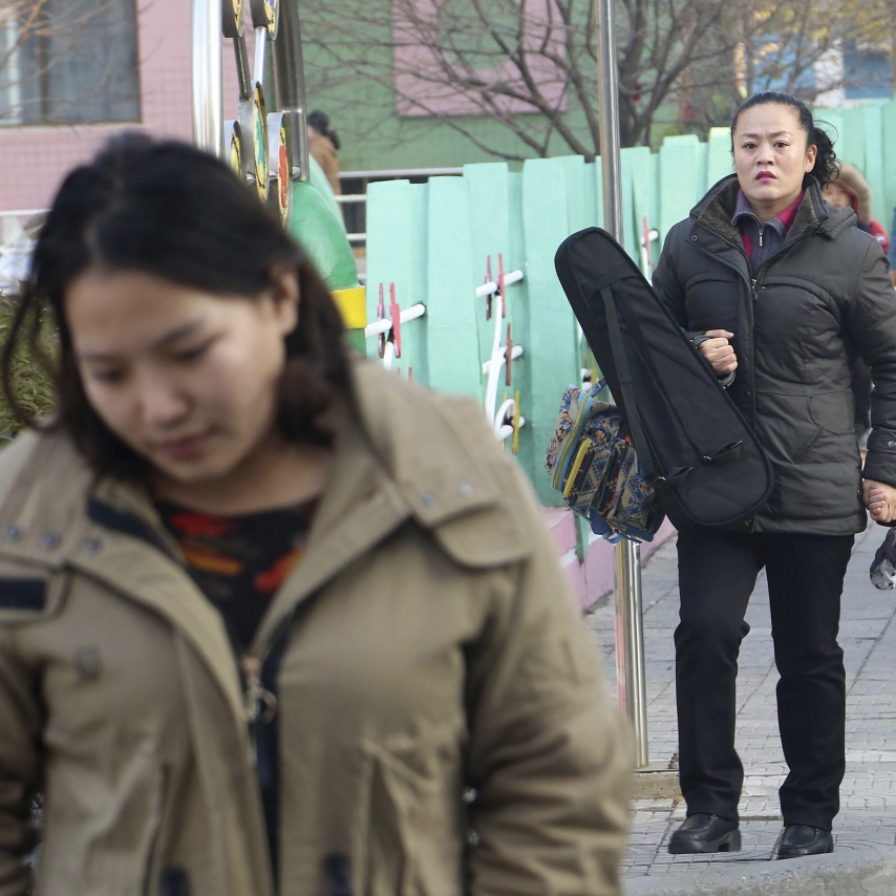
629,629
208,91
288,52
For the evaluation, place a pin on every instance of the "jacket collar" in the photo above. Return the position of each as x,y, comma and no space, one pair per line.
716,209
405,459
407,456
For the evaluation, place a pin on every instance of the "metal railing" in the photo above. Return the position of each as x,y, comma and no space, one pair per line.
358,200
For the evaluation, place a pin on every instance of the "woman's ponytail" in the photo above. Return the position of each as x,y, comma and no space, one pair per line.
827,166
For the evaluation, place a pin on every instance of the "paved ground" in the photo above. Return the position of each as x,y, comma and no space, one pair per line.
865,831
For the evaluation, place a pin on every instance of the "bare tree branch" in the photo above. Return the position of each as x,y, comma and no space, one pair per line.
530,65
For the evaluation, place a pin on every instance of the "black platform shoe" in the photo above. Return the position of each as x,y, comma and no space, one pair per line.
703,832
803,840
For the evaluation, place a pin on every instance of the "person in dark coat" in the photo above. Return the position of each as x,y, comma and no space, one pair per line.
850,190
778,290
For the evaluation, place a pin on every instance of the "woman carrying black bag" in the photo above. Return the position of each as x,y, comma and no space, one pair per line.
779,291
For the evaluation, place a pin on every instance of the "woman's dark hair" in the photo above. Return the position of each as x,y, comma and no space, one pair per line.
320,121
175,212
826,165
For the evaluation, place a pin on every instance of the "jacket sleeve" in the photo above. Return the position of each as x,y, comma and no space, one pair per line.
872,328
666,282
550,756
19,764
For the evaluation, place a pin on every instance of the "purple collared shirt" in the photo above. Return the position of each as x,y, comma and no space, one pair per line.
762,241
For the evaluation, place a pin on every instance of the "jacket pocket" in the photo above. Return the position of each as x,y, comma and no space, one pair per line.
101,835
415,840
833,411
806,447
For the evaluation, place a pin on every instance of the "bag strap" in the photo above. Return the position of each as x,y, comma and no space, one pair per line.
637,333
646,462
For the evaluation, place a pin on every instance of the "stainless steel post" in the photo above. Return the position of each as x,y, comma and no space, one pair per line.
631,685
208,91
288,54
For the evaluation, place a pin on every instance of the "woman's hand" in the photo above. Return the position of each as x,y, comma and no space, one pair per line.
718,351
880,499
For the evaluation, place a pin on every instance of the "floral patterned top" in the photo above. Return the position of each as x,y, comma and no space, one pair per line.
239,562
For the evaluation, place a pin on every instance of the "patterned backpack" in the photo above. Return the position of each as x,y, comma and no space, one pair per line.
595,467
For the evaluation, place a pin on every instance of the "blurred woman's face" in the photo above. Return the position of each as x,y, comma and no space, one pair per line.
771,157
185,378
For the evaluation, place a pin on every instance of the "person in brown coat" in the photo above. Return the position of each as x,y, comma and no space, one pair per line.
273,620
323,145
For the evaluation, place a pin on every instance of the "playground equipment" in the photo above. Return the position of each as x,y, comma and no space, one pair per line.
483,331
267,143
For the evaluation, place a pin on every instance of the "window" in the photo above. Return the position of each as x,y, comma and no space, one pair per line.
868,73
68,62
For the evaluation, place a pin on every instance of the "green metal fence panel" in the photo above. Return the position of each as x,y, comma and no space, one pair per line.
630,240
497,313
598,193
832,121
529,453
553,335
719,163
638,161
682,179
654,198
388,243
874,158
397,266
575,192
487,185
851,145
453,340
590,195
888,137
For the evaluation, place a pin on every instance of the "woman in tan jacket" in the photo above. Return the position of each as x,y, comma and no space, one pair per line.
271,619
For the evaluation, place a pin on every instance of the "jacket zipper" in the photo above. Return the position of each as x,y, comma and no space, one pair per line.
753,283
261,703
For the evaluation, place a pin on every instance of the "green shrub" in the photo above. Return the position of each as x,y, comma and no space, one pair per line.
32,385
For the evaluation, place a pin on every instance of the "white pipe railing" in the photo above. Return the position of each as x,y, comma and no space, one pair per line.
384,325
491,286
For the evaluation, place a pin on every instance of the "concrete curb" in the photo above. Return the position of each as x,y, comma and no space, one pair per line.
863,871
655,784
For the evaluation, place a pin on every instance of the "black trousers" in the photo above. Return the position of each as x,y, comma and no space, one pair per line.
717,573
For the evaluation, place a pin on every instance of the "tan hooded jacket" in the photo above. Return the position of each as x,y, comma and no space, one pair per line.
427,643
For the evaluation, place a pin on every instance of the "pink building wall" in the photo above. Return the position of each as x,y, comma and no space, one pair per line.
593,578
33,160
419,68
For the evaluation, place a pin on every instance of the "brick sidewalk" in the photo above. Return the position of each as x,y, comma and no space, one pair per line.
868,813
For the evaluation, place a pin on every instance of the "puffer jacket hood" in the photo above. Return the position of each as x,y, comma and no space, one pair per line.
425,645
798,323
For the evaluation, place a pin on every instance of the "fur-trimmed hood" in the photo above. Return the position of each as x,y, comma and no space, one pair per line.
859,191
